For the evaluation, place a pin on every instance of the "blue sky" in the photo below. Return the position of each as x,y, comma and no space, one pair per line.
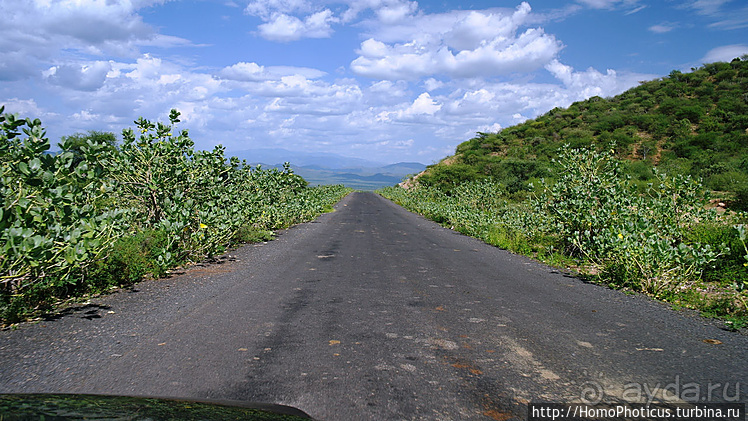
384,80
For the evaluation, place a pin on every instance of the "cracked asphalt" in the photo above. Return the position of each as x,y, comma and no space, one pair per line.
374,313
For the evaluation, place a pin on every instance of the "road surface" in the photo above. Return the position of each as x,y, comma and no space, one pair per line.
374,313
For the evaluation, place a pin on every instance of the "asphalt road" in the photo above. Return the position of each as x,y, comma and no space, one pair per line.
374,313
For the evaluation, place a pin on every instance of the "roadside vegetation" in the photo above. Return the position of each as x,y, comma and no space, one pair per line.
618,189
102,213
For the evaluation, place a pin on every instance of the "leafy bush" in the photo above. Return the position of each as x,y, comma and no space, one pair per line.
131,258
639,240
96,215
592,216
50,229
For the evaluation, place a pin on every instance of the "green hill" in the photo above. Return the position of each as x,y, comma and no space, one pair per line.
686,123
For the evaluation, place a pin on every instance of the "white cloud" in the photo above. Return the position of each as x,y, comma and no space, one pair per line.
244,72
282,27
608,4
291,20
489,128
266,8
397,12
386,10
662,28
86,77
374,49
432,84
38,32
582,85
253,72
90,119
424,104
636,10
586,84
736,19
472,30
529,51
455,26
23,107
384,89
725,53
707,7
472,102
457,44
724,17
420,110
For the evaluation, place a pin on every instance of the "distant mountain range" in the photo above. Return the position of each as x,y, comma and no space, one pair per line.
360,174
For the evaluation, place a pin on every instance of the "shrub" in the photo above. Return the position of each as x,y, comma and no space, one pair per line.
94,215
639,240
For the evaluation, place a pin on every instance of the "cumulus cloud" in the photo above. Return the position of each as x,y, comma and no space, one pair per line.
23,107
396,12
458,44
244,72
473,101
36,32
589,83
424,104
282,27
422,109
489,128
385,92
390,11
527,52
253,72
265,9
474,28
453,26
432,84
291,20
86,77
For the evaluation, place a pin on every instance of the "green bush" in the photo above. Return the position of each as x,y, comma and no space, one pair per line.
51,229
662,242
509,238
640,241
741,198
132,258
98,214
729,269
248,234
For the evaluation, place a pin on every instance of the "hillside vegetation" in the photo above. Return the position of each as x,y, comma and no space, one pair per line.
617,188
687,123
100,213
